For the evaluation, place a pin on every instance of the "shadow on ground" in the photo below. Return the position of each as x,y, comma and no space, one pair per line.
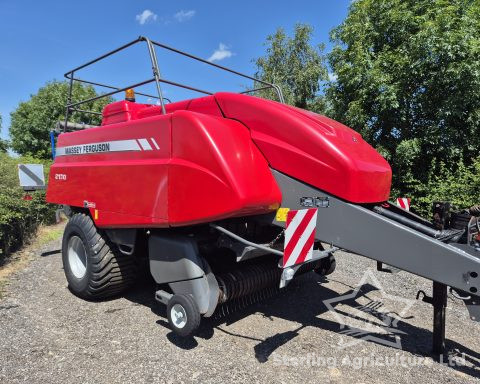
302,303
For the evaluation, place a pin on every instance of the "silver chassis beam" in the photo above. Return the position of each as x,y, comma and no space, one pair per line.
357,229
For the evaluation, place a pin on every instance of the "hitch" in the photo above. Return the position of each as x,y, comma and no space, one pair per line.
439,302
289,272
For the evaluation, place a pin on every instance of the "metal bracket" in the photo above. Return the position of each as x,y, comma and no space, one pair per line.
242,251
289,273
382,267
163,296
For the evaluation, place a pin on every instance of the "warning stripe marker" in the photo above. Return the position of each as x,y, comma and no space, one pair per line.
299,236
404,202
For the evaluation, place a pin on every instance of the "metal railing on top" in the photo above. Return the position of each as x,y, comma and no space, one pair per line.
157,79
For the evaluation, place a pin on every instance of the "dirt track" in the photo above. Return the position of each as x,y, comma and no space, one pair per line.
47,335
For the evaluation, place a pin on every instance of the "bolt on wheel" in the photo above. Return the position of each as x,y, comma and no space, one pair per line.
183,315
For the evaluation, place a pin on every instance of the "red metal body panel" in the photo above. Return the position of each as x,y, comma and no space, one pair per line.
205,168
122,111
208,159
312,148
130,186
216,171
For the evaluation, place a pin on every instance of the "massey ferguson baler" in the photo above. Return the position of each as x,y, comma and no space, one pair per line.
228,195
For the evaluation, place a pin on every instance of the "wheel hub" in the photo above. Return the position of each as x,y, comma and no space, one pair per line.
77,257
179,316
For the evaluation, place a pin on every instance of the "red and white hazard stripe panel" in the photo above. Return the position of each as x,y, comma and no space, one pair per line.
299,236
404,202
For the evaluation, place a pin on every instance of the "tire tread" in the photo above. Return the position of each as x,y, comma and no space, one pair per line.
111,271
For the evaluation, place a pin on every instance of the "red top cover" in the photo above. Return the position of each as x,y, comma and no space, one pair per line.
312,148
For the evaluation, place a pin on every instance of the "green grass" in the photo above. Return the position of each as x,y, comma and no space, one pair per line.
20,259
52,234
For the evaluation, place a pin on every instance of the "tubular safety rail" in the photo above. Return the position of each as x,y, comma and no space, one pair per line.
157,79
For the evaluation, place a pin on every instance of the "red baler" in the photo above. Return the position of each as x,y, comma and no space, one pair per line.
228,195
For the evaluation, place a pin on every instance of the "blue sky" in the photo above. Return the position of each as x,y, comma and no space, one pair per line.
41,40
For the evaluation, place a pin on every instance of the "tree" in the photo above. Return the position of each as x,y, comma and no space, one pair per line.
408,79
296,66
32,121
3,143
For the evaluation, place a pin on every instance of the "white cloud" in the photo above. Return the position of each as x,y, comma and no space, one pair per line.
223,52
182,15
146,16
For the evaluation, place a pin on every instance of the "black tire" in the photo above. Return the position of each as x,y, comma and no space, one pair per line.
190,311
106,271
327,266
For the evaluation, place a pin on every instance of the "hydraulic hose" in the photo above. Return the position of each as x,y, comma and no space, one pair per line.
409,223
246,242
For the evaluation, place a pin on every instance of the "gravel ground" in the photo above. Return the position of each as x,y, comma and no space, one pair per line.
47,335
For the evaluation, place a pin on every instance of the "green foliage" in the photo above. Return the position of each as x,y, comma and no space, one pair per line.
19,219
3,143
296,66
408,79
32,120
459,186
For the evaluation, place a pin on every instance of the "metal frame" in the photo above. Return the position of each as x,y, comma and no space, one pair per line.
361,230
71,107
289,272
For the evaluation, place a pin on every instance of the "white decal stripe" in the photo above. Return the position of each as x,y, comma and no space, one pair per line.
145,144
99,147
60,151
155,143
123,145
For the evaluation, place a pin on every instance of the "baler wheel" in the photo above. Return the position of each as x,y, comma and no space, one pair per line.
93,265
327,266
183,315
